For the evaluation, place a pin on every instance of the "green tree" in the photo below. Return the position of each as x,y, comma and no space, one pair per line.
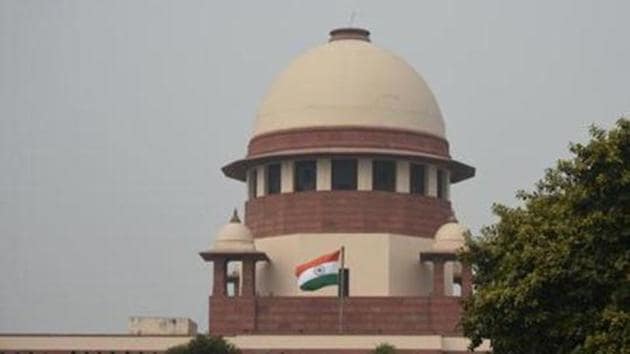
553,275
385,348
202,344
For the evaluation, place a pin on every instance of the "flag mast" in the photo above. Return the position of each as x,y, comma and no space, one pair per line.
342,287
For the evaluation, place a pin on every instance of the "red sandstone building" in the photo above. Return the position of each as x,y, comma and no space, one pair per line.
349,149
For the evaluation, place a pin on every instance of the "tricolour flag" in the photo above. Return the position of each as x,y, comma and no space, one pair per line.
319,272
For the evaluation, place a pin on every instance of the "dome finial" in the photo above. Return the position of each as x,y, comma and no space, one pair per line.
235,218
349,33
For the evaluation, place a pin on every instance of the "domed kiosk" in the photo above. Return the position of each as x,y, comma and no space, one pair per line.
348,150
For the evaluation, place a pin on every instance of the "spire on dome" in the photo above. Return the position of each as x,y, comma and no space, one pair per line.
235,218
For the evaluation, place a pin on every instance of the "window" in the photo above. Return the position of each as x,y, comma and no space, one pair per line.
253,183
344,174
384,175
273,178
416,179
305,175
441,184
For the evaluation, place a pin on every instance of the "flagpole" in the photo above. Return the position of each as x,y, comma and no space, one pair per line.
342,287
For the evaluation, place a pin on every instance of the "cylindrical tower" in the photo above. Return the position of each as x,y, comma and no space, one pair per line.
348,148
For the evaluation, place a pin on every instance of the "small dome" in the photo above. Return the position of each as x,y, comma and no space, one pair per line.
234,237
349,82
450,237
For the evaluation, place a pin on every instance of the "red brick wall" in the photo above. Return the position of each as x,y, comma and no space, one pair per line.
346,211
348,137
319,315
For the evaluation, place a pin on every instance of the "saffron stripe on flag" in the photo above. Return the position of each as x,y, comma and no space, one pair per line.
331,257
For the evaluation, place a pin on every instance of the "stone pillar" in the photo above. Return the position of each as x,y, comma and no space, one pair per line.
286,176
219,284
324,171
261,180
466,280
431,180
402,176
364,174
248,288
438,278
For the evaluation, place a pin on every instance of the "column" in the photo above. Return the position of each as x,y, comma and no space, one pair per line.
402,176
466,280
364,175
249,278
324,174
431,181
286,177
219,283
438,278
447,185
260,179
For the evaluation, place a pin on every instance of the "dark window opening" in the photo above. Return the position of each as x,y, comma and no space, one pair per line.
273,179
417,179
253,184
344,174
305,175
441,184
384,175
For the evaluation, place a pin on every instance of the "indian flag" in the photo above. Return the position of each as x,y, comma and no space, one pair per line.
319,272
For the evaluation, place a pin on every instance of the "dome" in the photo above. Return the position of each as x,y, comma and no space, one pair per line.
450,237
349,82
234,237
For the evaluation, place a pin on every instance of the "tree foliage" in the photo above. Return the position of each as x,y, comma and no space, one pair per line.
202,344
553,275
384,348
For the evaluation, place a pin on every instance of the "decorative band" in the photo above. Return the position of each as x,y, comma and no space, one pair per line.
348,137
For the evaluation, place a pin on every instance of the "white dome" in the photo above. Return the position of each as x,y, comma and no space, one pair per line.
349,82
234,237
450,237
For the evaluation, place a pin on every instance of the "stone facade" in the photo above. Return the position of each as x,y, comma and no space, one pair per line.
346,211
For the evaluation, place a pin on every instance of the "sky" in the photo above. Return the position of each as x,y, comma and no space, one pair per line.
116,117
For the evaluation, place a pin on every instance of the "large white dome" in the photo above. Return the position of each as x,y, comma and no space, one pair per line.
349,82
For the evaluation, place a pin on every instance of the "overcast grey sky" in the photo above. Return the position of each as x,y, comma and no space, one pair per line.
116,116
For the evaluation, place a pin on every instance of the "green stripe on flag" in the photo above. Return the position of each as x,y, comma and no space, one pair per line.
320,282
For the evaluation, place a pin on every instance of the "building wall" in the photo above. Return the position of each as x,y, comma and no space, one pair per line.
379,264
249,344
346,212
81,343
320,315
161,326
